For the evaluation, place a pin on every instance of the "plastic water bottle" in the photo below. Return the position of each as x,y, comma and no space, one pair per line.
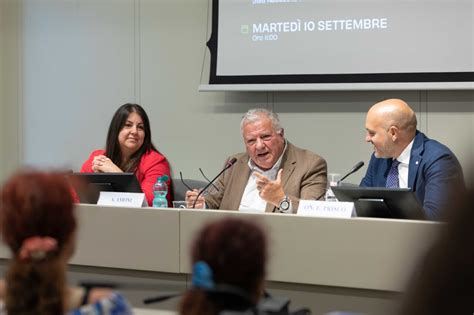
330,195
160,190
333,180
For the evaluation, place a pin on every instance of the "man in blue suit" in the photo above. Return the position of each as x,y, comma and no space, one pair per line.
404,157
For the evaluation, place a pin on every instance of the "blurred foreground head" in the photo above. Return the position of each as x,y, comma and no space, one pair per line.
443,283
231,252
38,225
36,203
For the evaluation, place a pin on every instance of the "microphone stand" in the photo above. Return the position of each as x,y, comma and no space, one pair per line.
160,298
227,166
352,171
320,196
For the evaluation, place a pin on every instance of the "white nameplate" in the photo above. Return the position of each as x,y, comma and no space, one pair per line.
122,199
326,209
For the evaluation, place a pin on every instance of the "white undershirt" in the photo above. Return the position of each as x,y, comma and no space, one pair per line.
251,201
404,159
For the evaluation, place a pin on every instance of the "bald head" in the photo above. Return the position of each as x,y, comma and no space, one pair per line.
391,126
395,112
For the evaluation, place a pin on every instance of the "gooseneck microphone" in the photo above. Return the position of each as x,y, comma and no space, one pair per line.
161,298
226,167
354,169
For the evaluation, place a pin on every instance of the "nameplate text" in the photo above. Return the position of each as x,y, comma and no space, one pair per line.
326,209
122,199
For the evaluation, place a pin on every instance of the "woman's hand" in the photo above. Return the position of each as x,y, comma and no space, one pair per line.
102,164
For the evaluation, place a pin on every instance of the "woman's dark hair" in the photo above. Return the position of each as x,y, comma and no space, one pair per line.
36,205
443,283
112,146
236,252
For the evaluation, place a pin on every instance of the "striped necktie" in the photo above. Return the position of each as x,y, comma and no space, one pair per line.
392,178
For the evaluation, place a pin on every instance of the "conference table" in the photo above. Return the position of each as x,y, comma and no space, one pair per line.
327,264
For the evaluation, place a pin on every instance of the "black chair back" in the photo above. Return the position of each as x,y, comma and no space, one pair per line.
179,190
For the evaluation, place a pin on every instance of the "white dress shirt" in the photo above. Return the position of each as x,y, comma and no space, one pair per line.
251,200
404,159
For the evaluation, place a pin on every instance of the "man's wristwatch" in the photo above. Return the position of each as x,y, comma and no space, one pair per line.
284,204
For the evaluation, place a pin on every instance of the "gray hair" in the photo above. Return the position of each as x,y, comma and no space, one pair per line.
254,115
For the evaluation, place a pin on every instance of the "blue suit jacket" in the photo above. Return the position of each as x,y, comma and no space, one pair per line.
434,174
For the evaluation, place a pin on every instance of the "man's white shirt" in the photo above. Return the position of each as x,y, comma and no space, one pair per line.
251,201
404,159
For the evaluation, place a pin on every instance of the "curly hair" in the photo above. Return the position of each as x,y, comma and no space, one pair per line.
36,204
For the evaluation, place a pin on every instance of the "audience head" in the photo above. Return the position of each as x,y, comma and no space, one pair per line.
129,136
263,137
443,283
391,126
38,225
235,251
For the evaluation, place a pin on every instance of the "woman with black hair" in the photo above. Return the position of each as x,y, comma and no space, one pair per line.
129,149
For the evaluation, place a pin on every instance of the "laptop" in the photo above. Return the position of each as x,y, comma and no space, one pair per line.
380,202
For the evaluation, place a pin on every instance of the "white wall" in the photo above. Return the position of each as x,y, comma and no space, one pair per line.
82,59
10,129
78,67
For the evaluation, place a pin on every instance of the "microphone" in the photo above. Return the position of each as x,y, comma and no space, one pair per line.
160,298
227,166
354,169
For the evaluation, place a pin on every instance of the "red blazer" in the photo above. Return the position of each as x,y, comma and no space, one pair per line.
151,166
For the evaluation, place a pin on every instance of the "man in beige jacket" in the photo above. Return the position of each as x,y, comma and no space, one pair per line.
271,176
